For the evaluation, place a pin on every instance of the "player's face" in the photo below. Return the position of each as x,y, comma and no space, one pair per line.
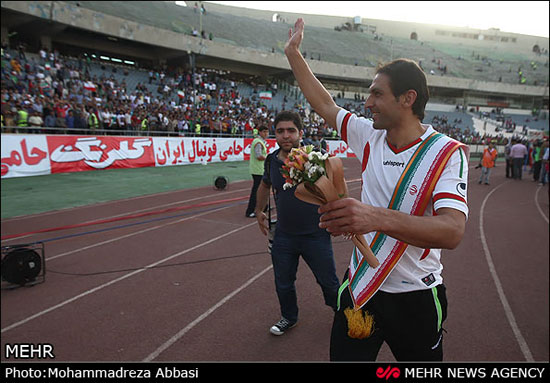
288,136
382,103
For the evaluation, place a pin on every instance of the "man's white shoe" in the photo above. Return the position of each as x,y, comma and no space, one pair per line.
281,326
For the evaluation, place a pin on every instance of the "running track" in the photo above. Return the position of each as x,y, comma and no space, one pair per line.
195,283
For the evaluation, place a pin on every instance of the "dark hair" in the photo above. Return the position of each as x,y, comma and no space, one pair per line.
287,115
404,75
262,128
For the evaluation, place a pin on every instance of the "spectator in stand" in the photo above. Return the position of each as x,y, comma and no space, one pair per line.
153,122
517,153
80,120
61,109
22,119
93,121
60,121
128,122
15,65
43,56
69,122
135,122
173,123
50,121
315,141
36,122
105,118
9,120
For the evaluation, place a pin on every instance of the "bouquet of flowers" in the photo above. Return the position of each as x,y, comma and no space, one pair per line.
319,179
303,165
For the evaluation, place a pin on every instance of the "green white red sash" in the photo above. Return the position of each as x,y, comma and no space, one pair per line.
423,172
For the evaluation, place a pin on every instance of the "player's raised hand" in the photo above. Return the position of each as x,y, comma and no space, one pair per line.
295,37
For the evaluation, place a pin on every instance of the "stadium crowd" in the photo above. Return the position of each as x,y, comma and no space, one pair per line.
61,94
51,93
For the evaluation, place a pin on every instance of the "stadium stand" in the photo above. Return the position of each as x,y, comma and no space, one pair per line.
497,64
125,96
122,96
173,100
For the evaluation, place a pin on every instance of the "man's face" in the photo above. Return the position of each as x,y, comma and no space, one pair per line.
382,103
288,136
264,133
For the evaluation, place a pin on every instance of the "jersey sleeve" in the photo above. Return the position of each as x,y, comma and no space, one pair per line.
354,131
451,189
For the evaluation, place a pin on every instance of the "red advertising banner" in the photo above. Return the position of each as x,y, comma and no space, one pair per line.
30,154
24,155
271,144
80,153
183,151
339,149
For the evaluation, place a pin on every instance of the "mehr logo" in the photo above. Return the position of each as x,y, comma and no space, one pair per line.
29,351
389,372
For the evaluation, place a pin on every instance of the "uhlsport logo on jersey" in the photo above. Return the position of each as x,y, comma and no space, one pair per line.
393,163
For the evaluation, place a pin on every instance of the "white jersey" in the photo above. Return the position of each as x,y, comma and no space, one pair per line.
382,166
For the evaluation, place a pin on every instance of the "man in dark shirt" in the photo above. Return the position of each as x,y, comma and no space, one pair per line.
297,232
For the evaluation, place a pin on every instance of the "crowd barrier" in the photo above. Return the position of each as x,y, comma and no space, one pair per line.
38,154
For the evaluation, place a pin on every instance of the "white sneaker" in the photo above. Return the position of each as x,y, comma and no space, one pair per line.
281,326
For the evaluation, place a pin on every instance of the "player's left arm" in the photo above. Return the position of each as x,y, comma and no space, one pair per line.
442,231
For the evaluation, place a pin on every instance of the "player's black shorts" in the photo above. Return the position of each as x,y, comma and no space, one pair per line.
410,323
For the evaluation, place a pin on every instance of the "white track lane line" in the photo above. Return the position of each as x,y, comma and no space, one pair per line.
135,272
538,205
112,201
134,211
7,220
14,325
507,309
136,233
203,316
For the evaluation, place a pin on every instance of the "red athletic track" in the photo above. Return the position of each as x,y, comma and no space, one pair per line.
217,311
